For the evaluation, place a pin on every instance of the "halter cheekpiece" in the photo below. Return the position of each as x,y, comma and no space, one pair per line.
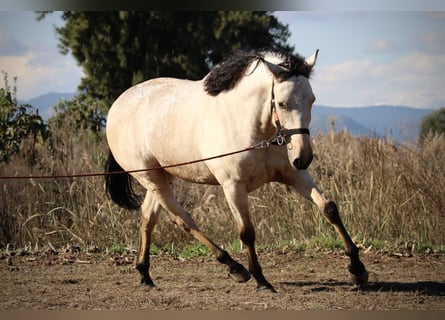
279,138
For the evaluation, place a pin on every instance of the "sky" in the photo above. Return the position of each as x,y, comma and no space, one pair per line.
366,57
373,58
28,51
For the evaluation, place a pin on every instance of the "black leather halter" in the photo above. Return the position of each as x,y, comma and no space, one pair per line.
279,138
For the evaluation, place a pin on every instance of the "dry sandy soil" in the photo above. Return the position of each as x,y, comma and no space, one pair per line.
304,281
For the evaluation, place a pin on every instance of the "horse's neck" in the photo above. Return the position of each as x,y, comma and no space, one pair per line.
251,108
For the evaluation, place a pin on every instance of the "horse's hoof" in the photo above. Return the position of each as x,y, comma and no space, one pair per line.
148,283
266,287
360,280
240,276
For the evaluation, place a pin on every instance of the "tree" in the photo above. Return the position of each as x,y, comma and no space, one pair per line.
76,115
433,123
120,49
17,122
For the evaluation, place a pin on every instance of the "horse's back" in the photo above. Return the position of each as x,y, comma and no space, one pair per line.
152,124
149,95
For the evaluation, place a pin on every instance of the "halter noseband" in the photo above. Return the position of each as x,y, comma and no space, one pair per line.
279,138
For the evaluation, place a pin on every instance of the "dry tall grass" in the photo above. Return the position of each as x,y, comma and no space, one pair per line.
386,194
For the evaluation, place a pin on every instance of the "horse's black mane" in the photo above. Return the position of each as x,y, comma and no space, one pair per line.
225,75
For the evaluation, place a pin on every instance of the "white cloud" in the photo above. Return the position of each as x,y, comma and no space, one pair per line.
380,46
10,46
39,74
415,80
430,42
434,15
426,42
28,51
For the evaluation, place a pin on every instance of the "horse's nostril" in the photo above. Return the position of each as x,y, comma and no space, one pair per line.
300,165
297,163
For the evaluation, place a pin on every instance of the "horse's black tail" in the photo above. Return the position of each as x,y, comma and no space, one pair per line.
119,186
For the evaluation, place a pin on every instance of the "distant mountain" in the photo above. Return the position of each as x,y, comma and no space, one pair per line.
46,102
396,122
324,122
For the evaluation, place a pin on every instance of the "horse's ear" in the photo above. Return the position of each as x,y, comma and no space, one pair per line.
312,59
280,73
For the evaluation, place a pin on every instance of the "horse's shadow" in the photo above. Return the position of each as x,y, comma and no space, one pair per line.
427,288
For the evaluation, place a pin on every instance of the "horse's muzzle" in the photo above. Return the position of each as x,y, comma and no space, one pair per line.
303,164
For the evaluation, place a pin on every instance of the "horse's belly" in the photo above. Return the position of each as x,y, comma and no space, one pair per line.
193,173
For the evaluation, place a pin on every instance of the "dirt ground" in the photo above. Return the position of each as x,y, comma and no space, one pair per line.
304,281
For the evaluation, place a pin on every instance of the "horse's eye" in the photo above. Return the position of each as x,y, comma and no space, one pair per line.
283,104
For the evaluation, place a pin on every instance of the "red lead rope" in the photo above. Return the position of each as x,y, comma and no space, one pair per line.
260,145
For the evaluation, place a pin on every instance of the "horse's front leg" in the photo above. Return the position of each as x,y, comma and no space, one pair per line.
306,186
236,195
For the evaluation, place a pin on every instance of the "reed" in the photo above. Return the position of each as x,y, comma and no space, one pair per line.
388,195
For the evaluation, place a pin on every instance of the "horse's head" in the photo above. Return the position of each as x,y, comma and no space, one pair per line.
292,100
291,92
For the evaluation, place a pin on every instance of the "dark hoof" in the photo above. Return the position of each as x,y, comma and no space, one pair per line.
361,279
241,275
266,287
147,282
359,275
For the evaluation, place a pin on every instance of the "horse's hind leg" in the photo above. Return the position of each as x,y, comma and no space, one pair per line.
149,215
307,188
159,188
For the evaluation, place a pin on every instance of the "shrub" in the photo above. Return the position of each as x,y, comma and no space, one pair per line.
18,123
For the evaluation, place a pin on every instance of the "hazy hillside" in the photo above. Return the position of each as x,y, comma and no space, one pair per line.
398,122
46,102
323,122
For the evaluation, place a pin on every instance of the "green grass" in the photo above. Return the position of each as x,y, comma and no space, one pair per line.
194,250
117,249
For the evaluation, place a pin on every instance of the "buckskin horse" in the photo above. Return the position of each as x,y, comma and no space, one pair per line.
259,98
